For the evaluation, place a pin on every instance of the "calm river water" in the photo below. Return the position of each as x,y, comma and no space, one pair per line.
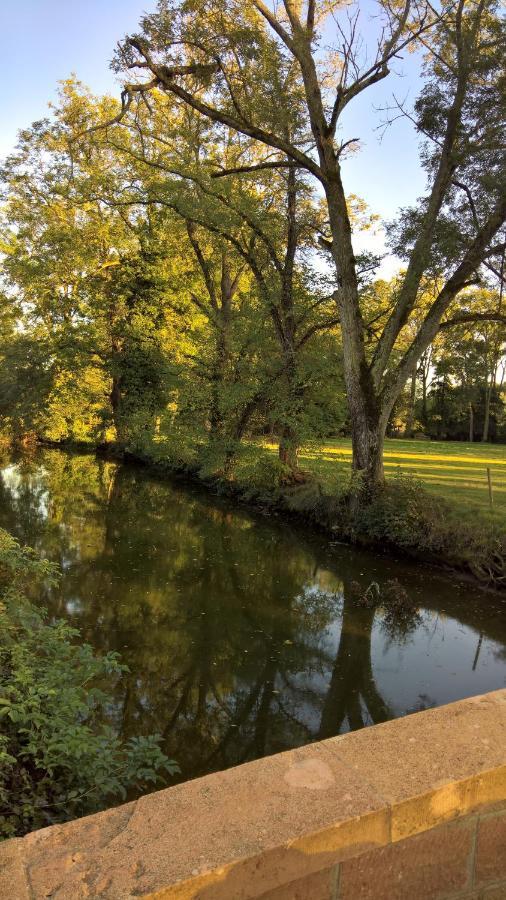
241,632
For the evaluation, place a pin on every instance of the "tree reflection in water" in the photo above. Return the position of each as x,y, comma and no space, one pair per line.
242,636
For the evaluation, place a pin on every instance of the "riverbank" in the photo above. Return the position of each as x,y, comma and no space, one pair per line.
405,518
242,634
454,471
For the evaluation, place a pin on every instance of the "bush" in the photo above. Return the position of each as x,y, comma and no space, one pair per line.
269,473
57,761
404,514
176,449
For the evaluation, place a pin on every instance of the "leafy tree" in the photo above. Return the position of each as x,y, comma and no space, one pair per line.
260,229
88,290
227,80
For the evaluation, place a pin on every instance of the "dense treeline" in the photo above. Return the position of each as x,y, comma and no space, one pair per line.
180,266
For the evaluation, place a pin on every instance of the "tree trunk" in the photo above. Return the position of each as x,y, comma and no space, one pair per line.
368,418
486,419
471,423
489,392
115,401
424,398
289,439
288,447
368,439
222,360
410,419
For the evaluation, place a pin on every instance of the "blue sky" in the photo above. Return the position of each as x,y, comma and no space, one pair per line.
43,41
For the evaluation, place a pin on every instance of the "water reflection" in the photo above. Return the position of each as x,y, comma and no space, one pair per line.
243,636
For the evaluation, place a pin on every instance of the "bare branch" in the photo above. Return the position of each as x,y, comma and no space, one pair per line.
239,170
472,206
469,318
276,26
379,69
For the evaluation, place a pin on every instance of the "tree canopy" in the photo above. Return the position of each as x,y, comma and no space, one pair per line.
182,261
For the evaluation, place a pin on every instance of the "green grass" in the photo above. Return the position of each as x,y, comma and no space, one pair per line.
453,470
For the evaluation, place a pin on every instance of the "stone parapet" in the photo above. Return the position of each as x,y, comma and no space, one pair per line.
414,808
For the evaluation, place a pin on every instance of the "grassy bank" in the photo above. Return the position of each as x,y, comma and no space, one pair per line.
424,511
453,471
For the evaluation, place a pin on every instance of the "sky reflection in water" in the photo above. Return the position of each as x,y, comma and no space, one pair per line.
241,632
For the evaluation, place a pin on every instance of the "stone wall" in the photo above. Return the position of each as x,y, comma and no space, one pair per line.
409,810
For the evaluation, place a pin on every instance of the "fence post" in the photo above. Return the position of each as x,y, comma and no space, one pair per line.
489,479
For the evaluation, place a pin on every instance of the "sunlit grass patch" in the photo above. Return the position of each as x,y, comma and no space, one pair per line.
453,471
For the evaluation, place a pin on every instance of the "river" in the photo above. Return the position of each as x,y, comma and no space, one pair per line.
242,633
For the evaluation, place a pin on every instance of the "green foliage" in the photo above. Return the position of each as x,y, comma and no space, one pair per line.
56,761
176,448
138,365
405,515
26,379
267,474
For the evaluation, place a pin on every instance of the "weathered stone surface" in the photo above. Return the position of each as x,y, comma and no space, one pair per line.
283,823
436,864
12,874
257,826
434,766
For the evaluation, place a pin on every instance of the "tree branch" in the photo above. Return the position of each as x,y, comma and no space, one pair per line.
203,263
466,318
257,167
432,322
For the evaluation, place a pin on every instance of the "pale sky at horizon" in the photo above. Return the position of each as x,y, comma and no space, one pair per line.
44,41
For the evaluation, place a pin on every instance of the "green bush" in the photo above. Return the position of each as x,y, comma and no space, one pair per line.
405,515
266,473
57,761
176,449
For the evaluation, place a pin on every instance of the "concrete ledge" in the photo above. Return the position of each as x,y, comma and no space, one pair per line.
310,823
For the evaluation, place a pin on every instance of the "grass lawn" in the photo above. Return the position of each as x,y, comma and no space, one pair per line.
454,470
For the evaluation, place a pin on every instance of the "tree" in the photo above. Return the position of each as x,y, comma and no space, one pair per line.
465,400
232,78
85,283
261,226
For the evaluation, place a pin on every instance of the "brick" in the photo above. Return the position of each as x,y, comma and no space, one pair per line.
498,892
319,886
434,864
491,849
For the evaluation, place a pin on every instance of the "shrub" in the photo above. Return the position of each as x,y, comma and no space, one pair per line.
269,473
175,450
57,761
405,515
